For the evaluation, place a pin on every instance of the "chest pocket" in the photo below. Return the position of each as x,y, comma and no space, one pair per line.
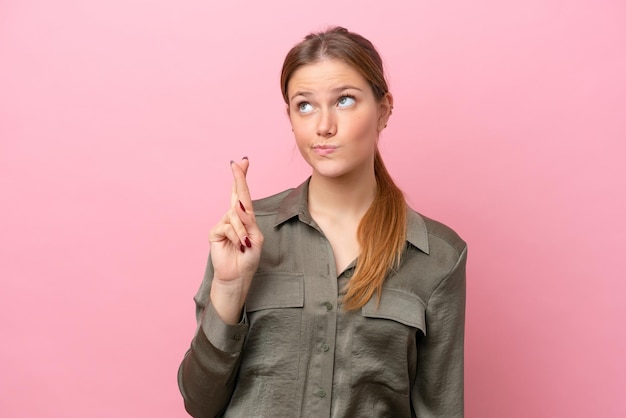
398,306
274,307
384,345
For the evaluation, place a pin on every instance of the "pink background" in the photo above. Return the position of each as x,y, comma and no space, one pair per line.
117,122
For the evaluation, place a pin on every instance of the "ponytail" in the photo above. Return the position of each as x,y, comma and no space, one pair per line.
381,235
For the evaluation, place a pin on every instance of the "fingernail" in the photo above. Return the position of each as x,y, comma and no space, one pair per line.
248,243
245,157
231,162
242,248
242,206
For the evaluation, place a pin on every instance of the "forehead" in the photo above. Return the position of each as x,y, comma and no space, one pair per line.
325,74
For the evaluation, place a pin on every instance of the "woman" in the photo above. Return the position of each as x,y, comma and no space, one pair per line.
333,298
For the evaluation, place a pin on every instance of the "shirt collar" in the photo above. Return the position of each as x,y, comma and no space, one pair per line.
296,204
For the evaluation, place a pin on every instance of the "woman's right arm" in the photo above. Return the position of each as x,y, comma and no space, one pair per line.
206,377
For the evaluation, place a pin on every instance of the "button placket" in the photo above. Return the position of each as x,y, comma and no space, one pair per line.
326,310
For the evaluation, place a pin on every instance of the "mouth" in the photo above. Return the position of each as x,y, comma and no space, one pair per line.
324,149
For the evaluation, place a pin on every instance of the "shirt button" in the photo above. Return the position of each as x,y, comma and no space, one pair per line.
325,347
348,274
321,393
237,337
329,306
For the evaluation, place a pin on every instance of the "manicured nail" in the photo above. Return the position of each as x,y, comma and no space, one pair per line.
231,162
242,206
242,248
248,243
245,157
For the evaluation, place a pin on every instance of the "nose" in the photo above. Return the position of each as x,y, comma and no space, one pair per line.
326,124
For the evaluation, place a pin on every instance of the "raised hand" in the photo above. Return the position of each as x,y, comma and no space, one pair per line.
236,243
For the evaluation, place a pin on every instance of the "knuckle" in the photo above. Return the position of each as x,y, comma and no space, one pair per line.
232,216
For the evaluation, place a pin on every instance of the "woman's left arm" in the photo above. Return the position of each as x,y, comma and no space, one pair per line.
438,389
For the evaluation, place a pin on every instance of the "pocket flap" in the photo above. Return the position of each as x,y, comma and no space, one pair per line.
275,290
398,306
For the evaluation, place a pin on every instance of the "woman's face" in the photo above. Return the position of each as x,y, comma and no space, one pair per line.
335,118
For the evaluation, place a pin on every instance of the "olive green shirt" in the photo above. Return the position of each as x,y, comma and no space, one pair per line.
297,353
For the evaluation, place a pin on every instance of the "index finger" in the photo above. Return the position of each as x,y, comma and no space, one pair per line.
241,185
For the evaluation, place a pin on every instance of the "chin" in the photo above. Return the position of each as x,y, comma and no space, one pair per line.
329,171
326,170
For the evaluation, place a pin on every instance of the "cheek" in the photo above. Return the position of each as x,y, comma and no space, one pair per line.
364,128
301,138
301,131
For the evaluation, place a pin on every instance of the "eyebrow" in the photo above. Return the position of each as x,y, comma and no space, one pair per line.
335,90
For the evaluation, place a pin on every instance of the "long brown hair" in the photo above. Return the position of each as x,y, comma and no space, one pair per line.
382,230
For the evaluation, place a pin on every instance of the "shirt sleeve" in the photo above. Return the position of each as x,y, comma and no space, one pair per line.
438,389
206,376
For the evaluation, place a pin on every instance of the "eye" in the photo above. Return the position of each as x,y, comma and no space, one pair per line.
345,101
305,107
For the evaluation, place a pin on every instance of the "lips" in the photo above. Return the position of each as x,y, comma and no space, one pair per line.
324,149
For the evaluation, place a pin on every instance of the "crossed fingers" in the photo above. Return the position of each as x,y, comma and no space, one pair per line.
235,224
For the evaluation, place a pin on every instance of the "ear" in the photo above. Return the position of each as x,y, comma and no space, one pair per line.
287,111
385,111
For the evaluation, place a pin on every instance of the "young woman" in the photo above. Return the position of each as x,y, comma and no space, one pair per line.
333,298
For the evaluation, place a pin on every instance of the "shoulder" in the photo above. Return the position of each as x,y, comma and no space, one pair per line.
430,235
282,206
271,204
435,251
438,232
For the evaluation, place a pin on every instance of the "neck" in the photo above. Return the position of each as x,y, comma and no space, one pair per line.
342,197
